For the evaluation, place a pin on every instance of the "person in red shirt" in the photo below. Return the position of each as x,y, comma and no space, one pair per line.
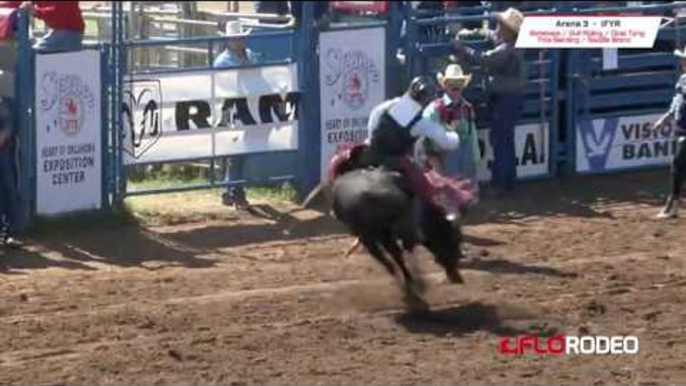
63,19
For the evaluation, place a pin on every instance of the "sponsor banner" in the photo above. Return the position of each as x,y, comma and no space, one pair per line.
68,132
352,83
623,143
211,113
531,148
567,31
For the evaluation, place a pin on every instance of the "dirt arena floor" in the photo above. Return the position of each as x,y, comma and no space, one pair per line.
216,297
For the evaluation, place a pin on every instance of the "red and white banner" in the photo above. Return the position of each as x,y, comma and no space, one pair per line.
361,6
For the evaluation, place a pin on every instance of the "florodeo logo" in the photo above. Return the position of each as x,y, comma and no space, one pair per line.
598,141
74,98
569,345
353,73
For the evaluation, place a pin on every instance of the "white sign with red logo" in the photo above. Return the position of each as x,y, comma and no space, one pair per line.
352,82
68,132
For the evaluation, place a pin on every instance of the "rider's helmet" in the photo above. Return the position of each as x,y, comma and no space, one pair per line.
422,89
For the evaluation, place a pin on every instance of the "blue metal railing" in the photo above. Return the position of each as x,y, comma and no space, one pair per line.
125,49
543,71
24,90
642,84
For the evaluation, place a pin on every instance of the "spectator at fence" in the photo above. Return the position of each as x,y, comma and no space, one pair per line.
62,18
505,75
321,12
280,8
459,7
271,7
677,116
9,196
236,54
430,33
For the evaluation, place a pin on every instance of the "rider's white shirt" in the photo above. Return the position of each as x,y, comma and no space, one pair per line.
403,109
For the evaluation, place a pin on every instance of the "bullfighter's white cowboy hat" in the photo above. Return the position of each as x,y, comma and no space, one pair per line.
454,75
511,18
235,28
680,53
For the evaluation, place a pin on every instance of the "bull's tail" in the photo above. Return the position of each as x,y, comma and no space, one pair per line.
313,194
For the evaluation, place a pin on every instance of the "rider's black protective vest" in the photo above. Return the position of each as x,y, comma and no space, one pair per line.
390,139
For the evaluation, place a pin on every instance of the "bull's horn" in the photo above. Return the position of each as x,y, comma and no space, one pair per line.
313,194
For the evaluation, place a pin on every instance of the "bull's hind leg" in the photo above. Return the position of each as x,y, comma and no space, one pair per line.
375,250
412,287
396,252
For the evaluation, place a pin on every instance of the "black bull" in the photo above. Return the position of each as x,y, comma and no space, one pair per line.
377,205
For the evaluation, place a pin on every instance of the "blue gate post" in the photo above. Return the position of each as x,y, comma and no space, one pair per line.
23,113
393,42
105,82
309,131
118,60
554,122
410,40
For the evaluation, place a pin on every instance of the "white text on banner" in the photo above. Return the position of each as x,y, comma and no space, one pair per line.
552,31
68,132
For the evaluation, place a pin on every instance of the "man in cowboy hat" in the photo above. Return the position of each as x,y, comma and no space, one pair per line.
236,54
676,115
505,72
455,113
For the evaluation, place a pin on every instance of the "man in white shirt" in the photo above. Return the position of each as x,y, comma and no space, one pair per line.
394,127
407,110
